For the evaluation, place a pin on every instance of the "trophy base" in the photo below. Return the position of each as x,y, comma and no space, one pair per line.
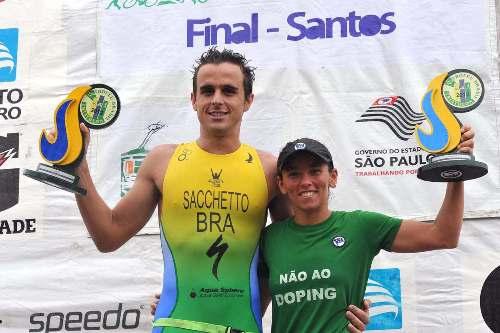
56,177
452,167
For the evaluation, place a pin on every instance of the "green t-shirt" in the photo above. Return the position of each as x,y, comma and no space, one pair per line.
316,271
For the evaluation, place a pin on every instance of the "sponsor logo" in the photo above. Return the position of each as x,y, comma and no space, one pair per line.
8,54
115,319
451,174
300,26
9,107
132,159
217,249
300,146
9,187
184,155
127,4
9,178
249,159
216,180
10,147
338,241
384,291
17,226
218,292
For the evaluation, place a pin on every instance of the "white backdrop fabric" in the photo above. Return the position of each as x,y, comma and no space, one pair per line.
320,65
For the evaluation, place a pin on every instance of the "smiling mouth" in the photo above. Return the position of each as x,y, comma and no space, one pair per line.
307,194
217,114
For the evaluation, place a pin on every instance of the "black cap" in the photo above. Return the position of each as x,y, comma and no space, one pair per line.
305,144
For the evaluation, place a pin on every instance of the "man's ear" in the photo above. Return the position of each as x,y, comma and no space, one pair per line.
193,102
248,102
332,182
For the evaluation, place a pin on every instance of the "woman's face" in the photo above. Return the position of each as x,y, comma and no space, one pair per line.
306,180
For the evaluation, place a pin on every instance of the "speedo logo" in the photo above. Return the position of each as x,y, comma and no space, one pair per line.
93,320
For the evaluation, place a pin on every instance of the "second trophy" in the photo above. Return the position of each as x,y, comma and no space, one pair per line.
457,91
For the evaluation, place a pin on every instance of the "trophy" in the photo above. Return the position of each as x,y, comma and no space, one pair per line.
458,91
97,106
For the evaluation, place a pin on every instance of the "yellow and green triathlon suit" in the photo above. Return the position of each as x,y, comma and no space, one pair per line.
213,211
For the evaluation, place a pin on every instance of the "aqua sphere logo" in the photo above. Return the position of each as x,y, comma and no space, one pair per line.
8,54
384,291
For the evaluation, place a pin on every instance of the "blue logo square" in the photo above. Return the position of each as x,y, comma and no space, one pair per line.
384,290
8,54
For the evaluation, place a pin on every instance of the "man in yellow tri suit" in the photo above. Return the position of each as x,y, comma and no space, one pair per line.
213,196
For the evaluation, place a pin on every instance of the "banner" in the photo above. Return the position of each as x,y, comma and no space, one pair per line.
322,67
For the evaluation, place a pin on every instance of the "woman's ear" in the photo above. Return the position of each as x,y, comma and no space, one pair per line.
279,181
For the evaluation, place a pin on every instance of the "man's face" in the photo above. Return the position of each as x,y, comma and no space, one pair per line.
306,180
219,99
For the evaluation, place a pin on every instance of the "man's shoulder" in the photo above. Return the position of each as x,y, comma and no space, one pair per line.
267,159
265,154
159,156
163,150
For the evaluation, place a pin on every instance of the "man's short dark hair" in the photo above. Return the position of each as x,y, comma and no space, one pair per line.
214,56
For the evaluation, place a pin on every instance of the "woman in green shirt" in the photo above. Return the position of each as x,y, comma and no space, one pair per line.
317,262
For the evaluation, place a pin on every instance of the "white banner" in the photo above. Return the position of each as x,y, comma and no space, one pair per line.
320,66
299,34
63,282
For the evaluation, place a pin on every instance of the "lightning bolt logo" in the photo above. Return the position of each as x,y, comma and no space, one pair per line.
217,249
9,178
5,155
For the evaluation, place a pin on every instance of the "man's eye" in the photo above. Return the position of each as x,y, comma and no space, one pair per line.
206,90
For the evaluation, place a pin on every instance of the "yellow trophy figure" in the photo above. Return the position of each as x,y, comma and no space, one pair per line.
458,91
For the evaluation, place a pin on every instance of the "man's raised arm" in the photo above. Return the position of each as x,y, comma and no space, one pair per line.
111,228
